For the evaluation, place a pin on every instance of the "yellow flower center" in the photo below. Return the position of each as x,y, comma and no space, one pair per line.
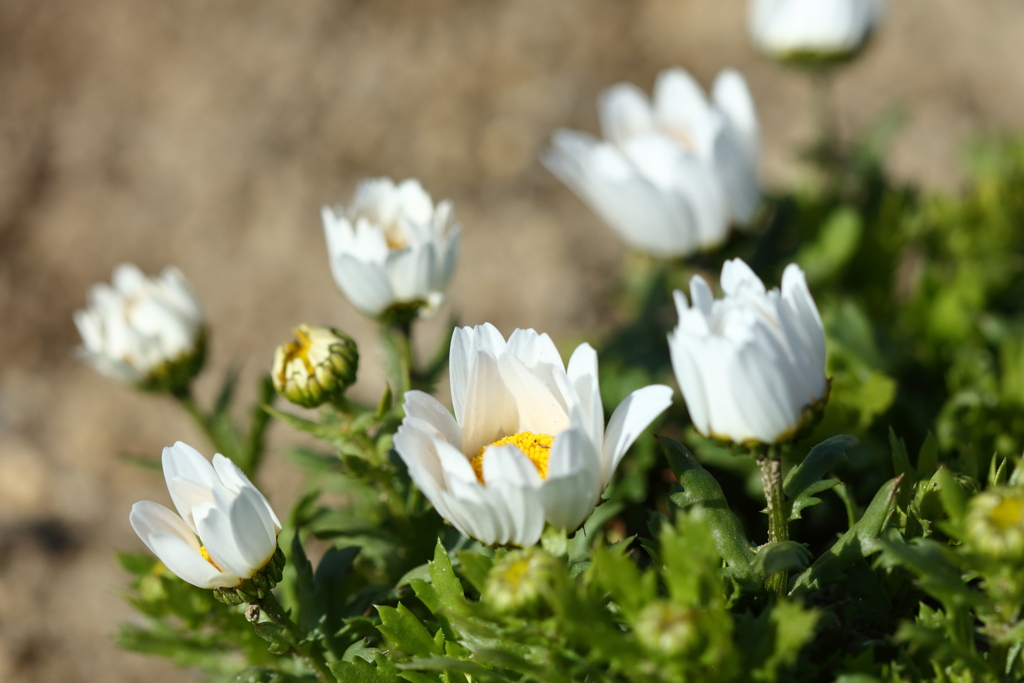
1008,513
297,350
206,556
536,447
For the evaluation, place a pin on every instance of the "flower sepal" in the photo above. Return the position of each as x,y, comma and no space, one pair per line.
256,588
175,376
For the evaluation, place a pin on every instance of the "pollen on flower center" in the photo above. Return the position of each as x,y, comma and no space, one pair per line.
536,447
206,556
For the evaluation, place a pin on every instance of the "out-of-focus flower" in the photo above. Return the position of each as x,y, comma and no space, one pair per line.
670,175
995,522
528,443
667,628
518,581
146,332
236,552
317,367
751,366
814,31
392,251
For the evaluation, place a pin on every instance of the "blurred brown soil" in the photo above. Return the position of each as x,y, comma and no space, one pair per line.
208,134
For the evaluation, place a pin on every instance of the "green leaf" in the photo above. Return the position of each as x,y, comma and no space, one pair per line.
262,674
309,606
836,244
700,488
902,467
818,462
928,456
953,496
403,628
442,576
856,544
788,556
329,432
804,482
387,399
360,671
475,567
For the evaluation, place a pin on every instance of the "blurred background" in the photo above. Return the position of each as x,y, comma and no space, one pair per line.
208,134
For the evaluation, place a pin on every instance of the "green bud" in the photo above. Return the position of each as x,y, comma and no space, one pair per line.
667,628
517,582
995,523
175,376
317,367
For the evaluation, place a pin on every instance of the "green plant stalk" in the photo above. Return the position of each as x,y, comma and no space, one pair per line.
400,366
778,523
202,419
307,651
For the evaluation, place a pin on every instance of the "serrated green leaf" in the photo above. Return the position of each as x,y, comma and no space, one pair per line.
804,482
442,576
902,467
309,607
403,628
809,497
855,545
358,670
953,496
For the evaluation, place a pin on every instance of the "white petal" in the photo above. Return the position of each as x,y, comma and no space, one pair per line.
148,518
253,527
582,375
573,486
508,464
466,341
181,461
365,285
625,113
538,408
425,407
629,420
490,410
188,564
218,535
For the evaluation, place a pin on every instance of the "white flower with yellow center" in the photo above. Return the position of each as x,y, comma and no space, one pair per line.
236,527
391,249
672,174
147,332
751,366
527,445
814,30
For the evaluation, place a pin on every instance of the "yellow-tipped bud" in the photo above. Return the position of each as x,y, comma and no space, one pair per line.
317,367
995,523
518,581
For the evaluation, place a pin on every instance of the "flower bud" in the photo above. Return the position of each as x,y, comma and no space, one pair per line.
995,523
317,367
257,586
518,581
146,332
667,628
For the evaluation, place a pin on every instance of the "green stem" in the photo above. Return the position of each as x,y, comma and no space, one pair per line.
201,418
778,524
828,151
397,338
308,651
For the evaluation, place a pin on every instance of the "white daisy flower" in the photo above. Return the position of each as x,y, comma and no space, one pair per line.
236,527
751,366
821,30
146,332
391,250
672,174
528,444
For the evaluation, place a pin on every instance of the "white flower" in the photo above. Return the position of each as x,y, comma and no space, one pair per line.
818,29
236,526
670,176
751,366
528,443
391,246
148,332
